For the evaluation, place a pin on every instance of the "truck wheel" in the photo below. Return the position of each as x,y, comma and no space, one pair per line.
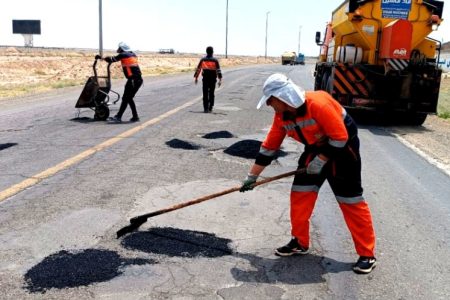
324,83
415,119
329,85
101,112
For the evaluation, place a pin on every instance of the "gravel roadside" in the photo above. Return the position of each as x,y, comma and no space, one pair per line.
431,141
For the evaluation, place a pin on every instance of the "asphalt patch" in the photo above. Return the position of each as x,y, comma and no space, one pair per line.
73,269
180,144
218,135
248,149
7,145
175,242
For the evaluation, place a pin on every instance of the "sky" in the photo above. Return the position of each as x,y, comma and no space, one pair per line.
187,26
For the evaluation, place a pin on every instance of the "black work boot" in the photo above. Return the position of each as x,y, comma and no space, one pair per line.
292,248
365,265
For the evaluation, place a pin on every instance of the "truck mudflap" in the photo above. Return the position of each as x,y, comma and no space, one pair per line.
414,89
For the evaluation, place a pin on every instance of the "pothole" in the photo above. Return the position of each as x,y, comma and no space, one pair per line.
180,144
7,145
218,135
248,149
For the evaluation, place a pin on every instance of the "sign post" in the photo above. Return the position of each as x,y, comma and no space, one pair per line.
27,28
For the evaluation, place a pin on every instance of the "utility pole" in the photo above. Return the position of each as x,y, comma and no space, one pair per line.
100,47
226,33
267,25
299,35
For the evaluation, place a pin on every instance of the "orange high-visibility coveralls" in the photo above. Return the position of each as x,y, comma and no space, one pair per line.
324,127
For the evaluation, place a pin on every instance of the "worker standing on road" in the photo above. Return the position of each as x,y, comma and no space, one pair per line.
331,153
133,74
211,71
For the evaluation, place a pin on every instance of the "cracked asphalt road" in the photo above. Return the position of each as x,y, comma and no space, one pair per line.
57,237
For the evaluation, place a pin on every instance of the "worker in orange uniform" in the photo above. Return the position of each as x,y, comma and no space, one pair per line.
133,74
331,153
211,71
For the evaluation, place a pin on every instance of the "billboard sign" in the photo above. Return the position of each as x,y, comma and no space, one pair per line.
26,26
396,9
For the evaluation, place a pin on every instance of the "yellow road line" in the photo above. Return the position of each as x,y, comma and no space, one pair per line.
17,188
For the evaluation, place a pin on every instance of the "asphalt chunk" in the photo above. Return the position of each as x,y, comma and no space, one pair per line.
180,144
7,145
218,135
248,149
175,242
67,270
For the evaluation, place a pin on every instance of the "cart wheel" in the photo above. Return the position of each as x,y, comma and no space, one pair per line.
101,112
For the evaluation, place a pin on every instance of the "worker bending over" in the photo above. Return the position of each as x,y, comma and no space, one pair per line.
331,153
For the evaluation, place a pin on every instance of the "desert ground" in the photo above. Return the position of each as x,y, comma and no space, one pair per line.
33,70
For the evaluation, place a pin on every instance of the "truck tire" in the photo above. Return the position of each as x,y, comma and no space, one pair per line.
415,119
324,83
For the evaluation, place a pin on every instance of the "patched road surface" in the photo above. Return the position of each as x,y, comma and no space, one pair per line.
68,183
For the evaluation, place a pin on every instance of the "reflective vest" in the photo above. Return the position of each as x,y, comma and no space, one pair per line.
210,67
320,125
130,65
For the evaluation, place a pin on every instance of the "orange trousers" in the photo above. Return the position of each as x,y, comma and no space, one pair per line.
357,217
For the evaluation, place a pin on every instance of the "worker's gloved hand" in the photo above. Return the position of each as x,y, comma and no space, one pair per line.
315,166
98,56
195,80
247,184
219,83
108,59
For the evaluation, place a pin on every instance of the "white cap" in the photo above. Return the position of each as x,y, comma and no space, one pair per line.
281,87
124,46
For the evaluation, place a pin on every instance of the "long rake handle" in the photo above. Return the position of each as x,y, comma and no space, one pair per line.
136,222
139,219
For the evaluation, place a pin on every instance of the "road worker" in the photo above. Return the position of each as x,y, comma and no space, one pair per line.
331,153
211,71
133,74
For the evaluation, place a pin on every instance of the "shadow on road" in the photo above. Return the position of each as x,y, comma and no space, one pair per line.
174,242
212,113
84,120
303,269
66,269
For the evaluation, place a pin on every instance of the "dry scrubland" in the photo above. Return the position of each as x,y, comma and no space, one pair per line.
34,70
444,99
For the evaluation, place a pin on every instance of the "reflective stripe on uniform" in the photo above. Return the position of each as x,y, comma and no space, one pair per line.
305,188
350,200
301,124
267,152
129,62
337,144
208,65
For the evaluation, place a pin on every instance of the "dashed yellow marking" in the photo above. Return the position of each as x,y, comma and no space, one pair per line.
17,188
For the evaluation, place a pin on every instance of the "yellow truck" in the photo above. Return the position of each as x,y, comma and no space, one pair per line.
288,58
377,55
